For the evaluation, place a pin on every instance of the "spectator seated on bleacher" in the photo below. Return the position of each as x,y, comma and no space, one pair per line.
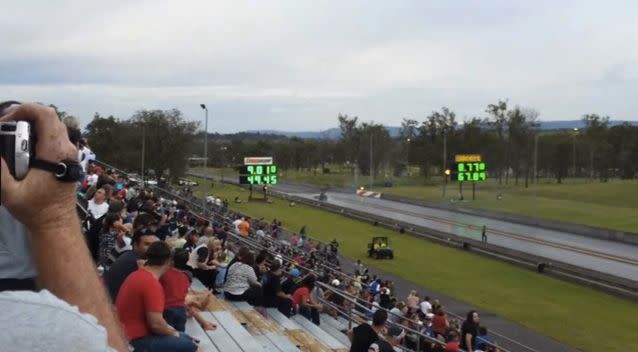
129,261
241,282
176,284
364,335
140,305
304,302
202,261
274,296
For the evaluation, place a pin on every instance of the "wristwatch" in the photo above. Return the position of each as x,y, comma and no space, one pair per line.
64,171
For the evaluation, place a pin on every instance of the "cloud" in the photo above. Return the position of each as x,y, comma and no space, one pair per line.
296,65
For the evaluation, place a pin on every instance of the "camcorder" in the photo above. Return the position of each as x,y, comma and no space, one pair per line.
16,146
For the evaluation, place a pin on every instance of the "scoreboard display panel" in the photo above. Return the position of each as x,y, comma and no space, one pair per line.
258,175
470,171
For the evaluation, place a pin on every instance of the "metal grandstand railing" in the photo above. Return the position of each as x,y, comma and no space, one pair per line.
196,204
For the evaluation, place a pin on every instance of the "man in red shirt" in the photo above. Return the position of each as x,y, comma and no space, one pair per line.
140,304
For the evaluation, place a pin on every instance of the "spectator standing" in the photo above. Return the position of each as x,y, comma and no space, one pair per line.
140,305
469,331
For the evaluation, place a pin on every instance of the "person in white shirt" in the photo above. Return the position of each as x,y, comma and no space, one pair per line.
426,306
85,154
236,223
98,205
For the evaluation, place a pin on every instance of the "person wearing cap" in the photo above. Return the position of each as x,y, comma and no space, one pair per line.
140,305
364,335
274,296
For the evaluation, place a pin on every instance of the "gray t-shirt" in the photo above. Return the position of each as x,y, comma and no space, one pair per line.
16,261
39,321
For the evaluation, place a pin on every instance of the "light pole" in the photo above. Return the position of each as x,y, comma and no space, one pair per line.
223,149
203,106
371,167
407,161
534,180
574,153
444,159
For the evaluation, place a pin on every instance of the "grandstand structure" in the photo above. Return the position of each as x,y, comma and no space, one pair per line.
242,328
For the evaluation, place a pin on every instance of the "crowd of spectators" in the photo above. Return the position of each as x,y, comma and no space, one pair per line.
148,248
265,280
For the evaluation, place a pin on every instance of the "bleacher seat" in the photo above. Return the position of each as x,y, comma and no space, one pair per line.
241,328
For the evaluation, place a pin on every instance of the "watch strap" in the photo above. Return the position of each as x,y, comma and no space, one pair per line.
65,170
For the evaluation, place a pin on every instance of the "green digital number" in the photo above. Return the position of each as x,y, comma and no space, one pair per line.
273,179
260,170
475,176
266,178
460,167
481,166
251,179
250,169
482,176
460,177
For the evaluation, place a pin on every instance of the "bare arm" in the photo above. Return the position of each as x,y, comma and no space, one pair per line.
158,325
47,208
468,342
71,277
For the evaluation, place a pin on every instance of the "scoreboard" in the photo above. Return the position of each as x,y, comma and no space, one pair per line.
469,168
258,175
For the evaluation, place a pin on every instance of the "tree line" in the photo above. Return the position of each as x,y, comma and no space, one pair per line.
508,137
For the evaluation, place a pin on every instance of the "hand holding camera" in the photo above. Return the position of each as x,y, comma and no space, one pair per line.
33,195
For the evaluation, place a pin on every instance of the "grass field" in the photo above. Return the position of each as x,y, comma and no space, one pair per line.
580,317
611,205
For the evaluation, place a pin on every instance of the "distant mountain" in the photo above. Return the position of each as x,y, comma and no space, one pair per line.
331,133
569,124
335,133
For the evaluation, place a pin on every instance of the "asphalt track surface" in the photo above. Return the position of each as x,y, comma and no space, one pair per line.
608,257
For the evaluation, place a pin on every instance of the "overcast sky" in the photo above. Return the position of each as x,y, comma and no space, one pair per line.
294,65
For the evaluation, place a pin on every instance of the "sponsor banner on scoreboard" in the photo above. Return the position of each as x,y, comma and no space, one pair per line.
467,158
258,160
368,194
